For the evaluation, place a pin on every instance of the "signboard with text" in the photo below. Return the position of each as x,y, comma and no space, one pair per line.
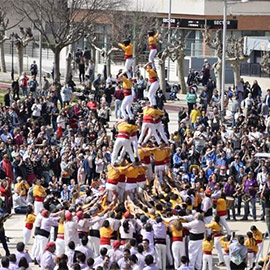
218,24
200,24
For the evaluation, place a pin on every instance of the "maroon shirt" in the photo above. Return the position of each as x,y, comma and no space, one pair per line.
118,94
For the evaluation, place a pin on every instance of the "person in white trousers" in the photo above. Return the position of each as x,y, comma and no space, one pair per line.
127,47
128,97
217,229
133,139
196,229
206,208
123,140
160,128
259,239
29,223
178,246
207,253
149,115
152,43
47,222
225,242
154,86
160,234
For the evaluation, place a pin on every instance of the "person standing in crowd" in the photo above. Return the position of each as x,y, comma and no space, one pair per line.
206,72
34,69
238,253
191,99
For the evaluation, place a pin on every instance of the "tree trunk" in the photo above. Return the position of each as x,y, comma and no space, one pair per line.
236,72
108,65
68,67
218,74
162,76
57,65
181,75
19,48
3,62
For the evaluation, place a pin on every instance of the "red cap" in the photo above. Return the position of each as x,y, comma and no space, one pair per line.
208,192
116,244
127,214
68,216
49,245
45,213
174,212
79,214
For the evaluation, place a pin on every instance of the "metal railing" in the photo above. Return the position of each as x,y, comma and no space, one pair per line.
253,70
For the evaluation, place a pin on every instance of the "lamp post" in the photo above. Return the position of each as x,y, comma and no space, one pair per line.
12,39
169,36
224,44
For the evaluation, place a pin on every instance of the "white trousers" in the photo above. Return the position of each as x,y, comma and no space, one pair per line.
227,261
128,67
35,248
260,250
178,250
151,57
126,144
149,172
161,256
152,93
224,223
26,236
60,247
160,171
38,206
134,141
207,220
126,107
121,191
219,249
151,132
195,254
207,262
42,242
94,244
160,129
251,259
168,248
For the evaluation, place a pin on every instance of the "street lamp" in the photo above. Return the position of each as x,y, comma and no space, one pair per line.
169,36
12,39
225,6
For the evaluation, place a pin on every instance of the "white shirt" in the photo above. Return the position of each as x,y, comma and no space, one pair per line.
87,251
36,109
196,226
129,234
71,232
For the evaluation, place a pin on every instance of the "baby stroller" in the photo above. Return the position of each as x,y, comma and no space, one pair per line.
174,90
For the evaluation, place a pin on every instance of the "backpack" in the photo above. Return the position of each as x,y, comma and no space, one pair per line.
33,85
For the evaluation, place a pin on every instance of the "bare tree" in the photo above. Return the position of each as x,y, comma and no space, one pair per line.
177,53
63,22
162,56
134,25
236,56
4,27
106,54
265,67
21,41
216,44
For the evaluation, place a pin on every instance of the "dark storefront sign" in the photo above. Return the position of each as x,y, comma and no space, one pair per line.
200,24
218,24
